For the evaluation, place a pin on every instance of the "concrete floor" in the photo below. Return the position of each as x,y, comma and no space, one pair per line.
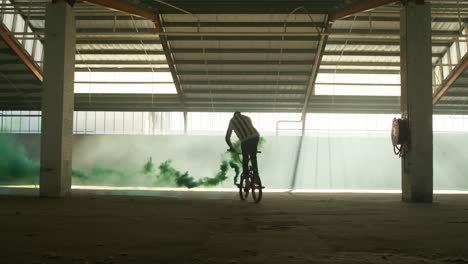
195,227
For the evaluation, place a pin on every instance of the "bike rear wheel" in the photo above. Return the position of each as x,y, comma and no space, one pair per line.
256,187
243,189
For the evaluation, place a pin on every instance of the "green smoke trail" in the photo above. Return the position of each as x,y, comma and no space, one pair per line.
220,176
15,166
78,174
236,157
148,167
168,174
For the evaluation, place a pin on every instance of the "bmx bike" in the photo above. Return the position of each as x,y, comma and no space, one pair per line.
250,183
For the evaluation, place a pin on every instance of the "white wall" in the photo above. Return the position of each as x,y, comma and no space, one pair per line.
329,160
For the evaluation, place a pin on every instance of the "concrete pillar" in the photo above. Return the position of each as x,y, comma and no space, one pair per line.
57,100
416,100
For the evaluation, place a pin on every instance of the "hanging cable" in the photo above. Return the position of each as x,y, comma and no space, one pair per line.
208,79
89,75
303,116
278,68
183,11
149,62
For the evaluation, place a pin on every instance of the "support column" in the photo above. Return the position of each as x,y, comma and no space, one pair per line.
57,100
416,99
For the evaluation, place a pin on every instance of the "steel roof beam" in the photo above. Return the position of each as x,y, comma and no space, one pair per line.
154,18
263,101
85,68
97,17
21,53
235,62
169,58
363,42
241,91
170,98
362,7
244,72
360,71
314,71
452,93
118,52
195,51
245,62
145,30
243,50
324,38
376,18
120,62
120,41
242,24
360,63
452,102
372,53
246,7
243,82
193,62
243,37
453,76
123,7
389,32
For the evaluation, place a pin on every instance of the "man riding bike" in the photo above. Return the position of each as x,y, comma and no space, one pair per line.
248,136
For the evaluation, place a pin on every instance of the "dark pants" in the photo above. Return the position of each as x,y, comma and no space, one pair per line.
249,151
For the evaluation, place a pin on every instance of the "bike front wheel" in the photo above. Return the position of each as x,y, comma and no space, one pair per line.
257,187
243,189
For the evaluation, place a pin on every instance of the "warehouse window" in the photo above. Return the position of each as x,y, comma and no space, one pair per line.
124,82
215,123
357,84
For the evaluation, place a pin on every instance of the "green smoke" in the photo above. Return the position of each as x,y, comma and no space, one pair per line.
220,176
148,167
236,158
78,174
168,174
17,168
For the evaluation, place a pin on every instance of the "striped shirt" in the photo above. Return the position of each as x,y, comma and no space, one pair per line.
242,126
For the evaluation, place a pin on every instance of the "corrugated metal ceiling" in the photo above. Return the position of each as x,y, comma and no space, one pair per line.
252,72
